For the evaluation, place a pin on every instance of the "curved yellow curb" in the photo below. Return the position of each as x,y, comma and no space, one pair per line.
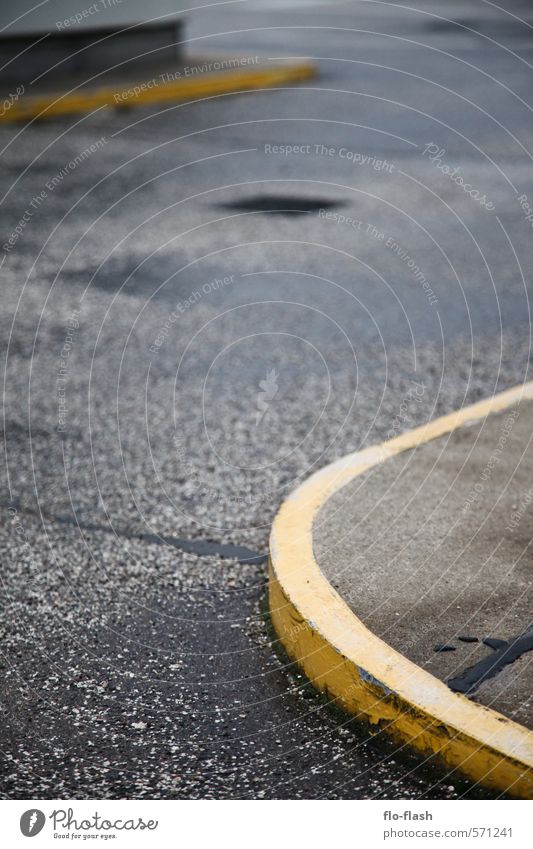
204,85
357,669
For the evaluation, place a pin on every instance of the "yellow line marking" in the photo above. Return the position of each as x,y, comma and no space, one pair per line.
357,669
205,85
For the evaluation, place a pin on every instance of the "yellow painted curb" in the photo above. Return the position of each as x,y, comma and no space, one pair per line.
204,85
358,670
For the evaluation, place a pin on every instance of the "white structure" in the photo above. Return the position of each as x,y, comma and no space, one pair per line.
85,36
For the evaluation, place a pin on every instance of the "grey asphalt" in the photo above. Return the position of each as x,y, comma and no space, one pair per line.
180,352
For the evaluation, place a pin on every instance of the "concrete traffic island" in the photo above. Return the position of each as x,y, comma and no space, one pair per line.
400,580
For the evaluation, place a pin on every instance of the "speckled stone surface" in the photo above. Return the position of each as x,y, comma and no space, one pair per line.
435,544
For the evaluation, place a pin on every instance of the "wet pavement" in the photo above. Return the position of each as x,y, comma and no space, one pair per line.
181,349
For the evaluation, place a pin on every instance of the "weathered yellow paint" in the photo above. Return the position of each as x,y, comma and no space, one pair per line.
359,671
189,88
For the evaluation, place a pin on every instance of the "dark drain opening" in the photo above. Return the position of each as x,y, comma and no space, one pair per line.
209,549
280,204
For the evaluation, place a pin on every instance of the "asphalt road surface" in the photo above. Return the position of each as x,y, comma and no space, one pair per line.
217,299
